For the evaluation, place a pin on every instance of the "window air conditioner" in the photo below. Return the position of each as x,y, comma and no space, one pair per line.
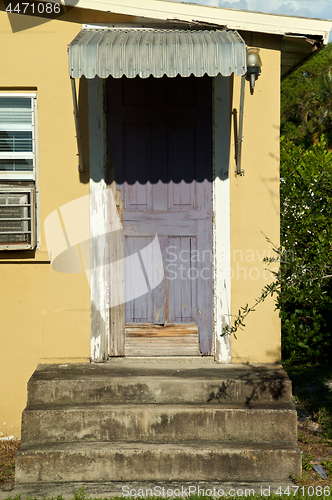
17,218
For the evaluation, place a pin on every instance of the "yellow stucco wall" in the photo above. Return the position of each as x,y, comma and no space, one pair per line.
45,316
255,208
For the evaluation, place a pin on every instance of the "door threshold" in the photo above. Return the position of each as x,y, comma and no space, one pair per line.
145,340
204,360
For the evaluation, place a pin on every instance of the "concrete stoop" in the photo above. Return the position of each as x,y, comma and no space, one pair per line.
129,421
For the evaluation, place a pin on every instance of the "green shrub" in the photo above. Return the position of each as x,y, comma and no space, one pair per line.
305,297
303,284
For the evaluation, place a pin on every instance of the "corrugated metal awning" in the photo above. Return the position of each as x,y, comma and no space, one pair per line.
157,52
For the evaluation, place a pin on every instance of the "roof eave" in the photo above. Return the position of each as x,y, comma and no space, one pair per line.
170,11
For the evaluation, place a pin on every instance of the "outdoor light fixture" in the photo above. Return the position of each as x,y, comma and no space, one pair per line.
254,65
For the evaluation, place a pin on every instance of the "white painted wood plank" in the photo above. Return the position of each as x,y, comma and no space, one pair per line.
221,208
99,251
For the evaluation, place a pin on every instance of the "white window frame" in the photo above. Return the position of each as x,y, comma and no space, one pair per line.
24,181
22,176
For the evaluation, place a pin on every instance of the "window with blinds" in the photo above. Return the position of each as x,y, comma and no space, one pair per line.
17,137
17,171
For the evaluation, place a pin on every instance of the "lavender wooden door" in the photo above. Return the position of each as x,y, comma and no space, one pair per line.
161,152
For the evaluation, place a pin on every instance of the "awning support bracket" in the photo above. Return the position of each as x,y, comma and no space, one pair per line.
77,126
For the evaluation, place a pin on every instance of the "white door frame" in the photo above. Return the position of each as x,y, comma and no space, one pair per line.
221,216
99,286
99,250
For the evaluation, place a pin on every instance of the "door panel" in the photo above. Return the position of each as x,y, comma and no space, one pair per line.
137,308
137,147
160,135
181,164
181,273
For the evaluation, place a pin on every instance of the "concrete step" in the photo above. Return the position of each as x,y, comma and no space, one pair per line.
169,489
165,383
96,462
158,421
161,423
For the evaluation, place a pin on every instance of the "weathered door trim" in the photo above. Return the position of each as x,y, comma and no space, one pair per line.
106,258
99,251
100,319
221,216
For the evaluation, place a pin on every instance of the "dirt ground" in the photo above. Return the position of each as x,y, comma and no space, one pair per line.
316,450
7,463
